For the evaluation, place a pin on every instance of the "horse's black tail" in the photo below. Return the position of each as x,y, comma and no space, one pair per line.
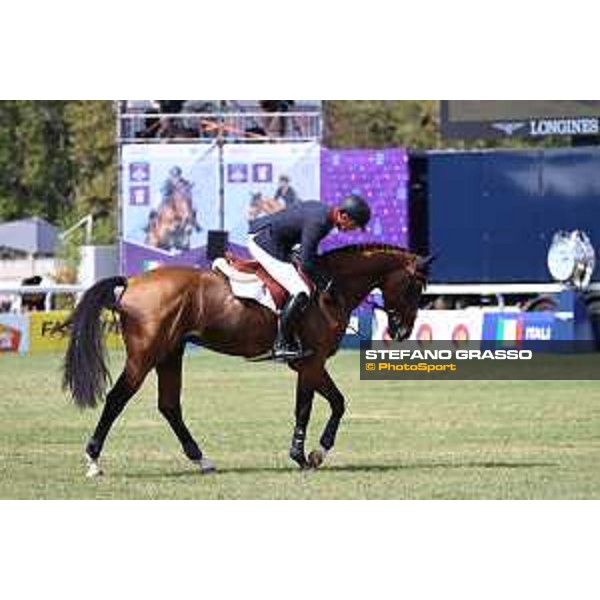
85,372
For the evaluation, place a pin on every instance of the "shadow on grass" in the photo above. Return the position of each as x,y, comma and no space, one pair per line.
344,469
425,466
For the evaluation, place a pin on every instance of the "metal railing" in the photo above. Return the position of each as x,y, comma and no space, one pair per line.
466,289
135,127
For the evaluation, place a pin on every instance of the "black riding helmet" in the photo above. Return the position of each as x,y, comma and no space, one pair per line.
357,209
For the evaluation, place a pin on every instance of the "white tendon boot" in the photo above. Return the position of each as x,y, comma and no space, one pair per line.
93,468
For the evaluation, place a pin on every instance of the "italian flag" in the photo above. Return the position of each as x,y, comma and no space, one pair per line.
509,330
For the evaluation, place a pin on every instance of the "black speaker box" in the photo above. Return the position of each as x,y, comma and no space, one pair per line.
217,244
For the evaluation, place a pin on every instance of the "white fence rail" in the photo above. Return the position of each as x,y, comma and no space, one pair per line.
482,289
50,291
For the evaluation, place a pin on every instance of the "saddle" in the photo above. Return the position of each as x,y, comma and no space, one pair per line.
249,279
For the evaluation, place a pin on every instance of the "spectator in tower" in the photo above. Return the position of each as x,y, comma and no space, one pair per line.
152,122
275,124
170,106
170,126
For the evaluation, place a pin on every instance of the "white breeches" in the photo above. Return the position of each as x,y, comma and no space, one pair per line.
282,272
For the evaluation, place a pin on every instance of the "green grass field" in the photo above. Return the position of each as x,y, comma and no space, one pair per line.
412,440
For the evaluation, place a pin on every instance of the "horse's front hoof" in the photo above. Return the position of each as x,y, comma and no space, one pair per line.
316,458
206,466
299,458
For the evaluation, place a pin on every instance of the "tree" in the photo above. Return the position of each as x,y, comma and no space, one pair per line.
378,124
409,123
35,170
93,153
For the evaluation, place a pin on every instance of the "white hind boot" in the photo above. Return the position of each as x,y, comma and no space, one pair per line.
93,468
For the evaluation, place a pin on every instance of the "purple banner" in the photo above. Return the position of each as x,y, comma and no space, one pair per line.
140,258
379,176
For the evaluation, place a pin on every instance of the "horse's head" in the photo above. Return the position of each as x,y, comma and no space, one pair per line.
357,270
402,288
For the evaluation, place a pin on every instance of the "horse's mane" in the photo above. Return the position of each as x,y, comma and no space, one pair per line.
362,248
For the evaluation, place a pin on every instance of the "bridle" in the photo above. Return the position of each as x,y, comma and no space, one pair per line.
395,315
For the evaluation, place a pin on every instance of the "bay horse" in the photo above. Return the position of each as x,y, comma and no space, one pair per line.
160,310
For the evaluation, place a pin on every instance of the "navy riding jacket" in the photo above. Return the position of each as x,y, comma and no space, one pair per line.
305,223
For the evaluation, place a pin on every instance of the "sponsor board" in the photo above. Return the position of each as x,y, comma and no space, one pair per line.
522,327
453,325
582,126
545,127
44,336
14,333
510,328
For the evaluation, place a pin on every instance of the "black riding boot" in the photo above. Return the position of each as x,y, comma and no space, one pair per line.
287,347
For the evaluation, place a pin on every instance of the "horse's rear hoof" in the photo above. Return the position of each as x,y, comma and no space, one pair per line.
206,466
93,468
94,471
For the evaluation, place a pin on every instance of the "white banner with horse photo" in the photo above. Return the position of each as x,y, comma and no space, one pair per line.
261,179
169,201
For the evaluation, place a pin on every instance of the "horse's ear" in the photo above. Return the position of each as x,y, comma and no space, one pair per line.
424,262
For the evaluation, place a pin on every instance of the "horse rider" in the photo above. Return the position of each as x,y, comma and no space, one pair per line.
272,240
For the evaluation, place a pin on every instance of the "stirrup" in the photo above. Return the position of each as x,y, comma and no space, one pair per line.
285,353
